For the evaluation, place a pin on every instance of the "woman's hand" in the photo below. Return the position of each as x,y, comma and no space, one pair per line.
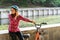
33,22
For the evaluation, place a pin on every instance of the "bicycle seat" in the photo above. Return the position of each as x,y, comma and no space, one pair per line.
26,35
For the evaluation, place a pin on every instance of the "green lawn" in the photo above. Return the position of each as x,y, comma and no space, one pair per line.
48,19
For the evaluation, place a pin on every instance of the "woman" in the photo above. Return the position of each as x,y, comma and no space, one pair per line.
14,19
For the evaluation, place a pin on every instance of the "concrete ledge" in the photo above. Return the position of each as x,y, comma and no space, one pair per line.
32,28
4,33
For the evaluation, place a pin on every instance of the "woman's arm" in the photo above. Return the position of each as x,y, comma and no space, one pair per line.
25,19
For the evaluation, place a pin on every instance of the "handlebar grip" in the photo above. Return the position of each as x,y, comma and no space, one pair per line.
40,24
43,23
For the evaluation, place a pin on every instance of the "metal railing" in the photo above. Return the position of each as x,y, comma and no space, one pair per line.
30,13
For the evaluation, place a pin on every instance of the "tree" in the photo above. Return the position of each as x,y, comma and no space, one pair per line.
56,3
52,3
38,2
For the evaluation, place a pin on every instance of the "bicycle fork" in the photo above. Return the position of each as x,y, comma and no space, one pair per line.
37,36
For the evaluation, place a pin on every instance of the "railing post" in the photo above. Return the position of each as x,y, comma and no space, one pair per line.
29,14
39,13
52,11
43,12
34,14
56,11
47,12
23,13
0,17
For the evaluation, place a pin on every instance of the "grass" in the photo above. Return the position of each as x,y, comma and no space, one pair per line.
48,19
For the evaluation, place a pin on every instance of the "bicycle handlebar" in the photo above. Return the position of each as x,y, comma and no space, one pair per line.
40,24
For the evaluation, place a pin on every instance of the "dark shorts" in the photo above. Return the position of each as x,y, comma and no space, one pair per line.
16,35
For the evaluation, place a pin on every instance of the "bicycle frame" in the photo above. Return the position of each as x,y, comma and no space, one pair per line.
37,35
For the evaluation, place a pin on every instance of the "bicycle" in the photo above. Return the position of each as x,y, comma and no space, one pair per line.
38,33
